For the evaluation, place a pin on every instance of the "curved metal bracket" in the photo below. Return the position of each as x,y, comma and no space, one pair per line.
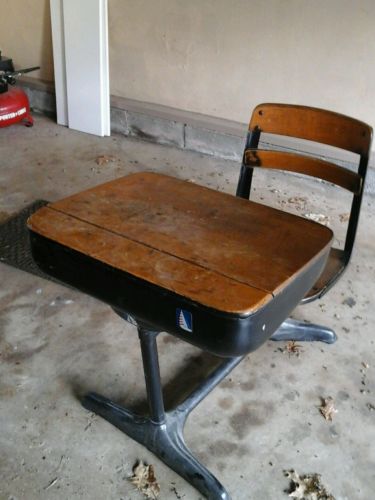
299,331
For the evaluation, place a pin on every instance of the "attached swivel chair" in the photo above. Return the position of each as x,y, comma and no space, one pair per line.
319,126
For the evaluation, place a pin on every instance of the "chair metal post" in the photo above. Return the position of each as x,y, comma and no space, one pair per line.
246,173
355,209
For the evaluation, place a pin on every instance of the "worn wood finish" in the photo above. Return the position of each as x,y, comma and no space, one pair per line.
221,251
313,124
147,263
307,165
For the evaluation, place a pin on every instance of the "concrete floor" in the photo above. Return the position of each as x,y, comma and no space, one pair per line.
264,418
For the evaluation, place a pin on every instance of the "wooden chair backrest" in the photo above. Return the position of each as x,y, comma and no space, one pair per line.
313,124
316,125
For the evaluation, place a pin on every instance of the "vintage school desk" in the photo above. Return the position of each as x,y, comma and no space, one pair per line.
220,272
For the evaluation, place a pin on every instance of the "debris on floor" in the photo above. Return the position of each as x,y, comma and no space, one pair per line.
349,301
344,217
60,300
292,348
366,366
90,420
321,218
102,160
51,483
144,480
174,490
327,409
298,201
306,487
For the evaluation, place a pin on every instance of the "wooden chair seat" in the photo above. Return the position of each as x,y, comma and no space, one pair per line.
335,266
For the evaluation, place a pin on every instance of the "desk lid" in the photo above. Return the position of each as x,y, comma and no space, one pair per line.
224,252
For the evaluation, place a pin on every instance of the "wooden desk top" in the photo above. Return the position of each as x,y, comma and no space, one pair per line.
224,252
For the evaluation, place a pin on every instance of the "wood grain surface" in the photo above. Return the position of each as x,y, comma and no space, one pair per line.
313,124
307,165
224,252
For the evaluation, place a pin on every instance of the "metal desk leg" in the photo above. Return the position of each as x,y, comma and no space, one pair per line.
299,331
162,432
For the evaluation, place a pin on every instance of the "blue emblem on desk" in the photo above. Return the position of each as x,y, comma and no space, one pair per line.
184,320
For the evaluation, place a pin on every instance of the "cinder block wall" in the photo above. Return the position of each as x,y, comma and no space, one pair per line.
192,131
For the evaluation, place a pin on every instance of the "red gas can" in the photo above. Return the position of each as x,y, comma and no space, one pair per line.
14,107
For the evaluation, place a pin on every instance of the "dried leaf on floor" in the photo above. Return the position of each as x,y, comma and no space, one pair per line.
321,218
306,487
144,480
327,409
102,160
292,348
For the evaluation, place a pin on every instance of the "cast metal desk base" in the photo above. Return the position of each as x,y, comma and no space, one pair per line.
162,432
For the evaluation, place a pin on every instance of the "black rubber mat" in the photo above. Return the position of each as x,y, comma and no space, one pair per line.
14,241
